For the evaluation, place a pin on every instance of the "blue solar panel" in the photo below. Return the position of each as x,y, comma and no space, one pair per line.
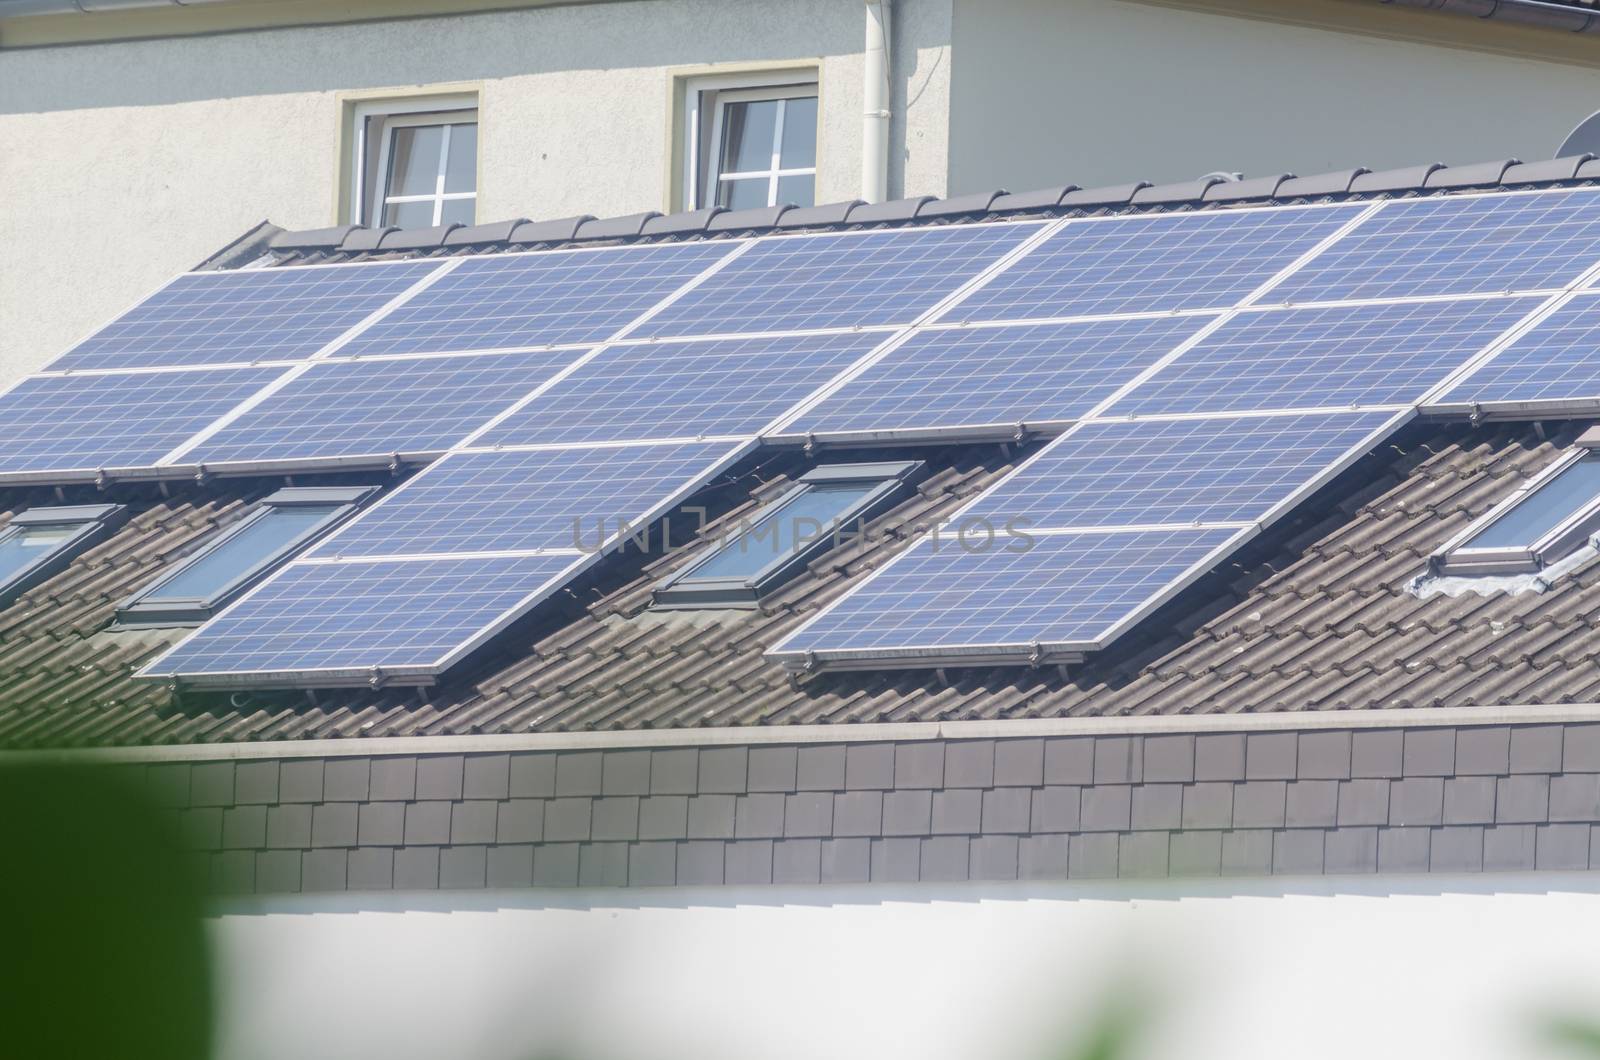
1000,375
556,297
252,315
1554,360
1175,471
66,423
1065,590
1155,262
366,408
682,389
1454,245
518,500
1334,356
352,617
856,279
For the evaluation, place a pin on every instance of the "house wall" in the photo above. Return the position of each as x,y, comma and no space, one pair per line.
1106,91
129,161
1459,966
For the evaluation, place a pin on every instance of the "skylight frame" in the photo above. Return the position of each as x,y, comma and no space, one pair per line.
683,589
1457,557
92,523
145,608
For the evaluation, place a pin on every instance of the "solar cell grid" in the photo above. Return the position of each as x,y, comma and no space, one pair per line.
248,315
1553,360
1156,262
854,279
373,408
1065,589
356,616
998,375
682,389
547,499
555,297
68,423
1174,471
1325,357
1457,245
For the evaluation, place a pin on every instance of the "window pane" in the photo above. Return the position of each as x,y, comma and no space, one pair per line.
262,539
800,133
459,211
802,191
747,130
743,194
409,214
26,547
785,530
461,169
1548,505
414,159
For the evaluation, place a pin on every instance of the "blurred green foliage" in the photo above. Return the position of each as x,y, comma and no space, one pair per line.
105,952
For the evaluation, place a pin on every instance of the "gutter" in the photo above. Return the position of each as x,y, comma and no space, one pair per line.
14,8
1527,12
868,732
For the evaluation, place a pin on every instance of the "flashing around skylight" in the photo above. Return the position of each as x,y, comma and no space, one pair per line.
39,543
827,506
1549,518
282,526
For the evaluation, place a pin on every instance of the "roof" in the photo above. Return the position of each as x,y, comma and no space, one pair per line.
1314,616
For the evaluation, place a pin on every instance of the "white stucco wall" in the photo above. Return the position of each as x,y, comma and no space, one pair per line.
127,162
1105,91
1465,967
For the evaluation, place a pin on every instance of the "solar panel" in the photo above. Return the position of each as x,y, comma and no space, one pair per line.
72,423
997,375
1553,360
555,297
249,315
1126,473
374,408
342,620
1333,356
682,389
853,279
1457,245
1155,262
520,500
1063,591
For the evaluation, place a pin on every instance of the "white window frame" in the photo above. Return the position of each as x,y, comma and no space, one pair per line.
422,110
739,88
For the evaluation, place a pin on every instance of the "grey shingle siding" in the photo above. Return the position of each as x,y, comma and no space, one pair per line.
1469,799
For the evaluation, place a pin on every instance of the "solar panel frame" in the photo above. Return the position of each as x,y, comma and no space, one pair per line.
1109,270
39,408
663,389
802,296
1108,566
147,335
540,303
523,500
310,603
1483,254
1341,355
969,372
332,409
1122,473
1549,365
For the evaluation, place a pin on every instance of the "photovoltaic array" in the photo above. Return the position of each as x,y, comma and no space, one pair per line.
1203,370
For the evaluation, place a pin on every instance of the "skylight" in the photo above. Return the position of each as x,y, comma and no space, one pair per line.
40,542
282,525
1548,519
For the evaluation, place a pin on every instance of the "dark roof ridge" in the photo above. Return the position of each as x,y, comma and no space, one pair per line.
354,242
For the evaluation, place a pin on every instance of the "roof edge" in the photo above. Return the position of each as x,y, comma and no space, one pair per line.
866,732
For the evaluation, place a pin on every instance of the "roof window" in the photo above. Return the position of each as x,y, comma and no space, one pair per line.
39,543
827,506
1549,518
282,526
